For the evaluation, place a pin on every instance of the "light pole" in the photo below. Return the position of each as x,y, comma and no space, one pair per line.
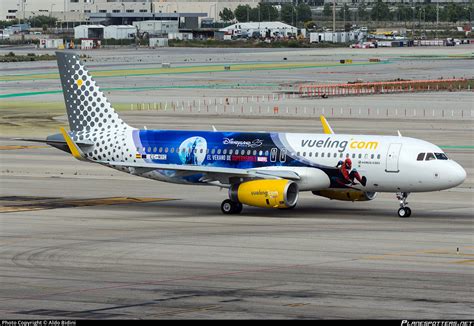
51,11
437,18
210,11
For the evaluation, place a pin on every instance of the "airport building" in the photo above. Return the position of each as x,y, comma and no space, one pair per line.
78,11
269,29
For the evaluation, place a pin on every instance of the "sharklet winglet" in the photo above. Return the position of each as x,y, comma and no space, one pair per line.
75,150
326,127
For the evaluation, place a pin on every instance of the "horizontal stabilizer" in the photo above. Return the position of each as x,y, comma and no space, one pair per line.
55,141
73,146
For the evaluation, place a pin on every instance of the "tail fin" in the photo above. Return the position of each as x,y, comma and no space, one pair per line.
87,107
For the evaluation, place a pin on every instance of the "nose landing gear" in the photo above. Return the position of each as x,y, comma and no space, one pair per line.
404,211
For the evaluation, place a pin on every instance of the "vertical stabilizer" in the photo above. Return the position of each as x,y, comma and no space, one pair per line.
87,107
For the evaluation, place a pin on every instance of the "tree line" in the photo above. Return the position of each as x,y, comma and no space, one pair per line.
289,13
35,22
381,11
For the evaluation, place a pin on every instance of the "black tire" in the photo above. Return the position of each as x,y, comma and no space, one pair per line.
228,207
238,208
404,212
408,211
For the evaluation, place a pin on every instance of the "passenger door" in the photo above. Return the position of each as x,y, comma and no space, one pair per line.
393,156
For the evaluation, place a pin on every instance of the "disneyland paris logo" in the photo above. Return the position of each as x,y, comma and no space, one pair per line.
243,143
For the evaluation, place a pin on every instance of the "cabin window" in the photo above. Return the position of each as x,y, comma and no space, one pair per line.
310,154
372,156
172,150
283,155
335,155
149,150
378,157
266,153
441,156
218,151
160,149
224,151
213,151
231,151
154,149
316,154
420,157
353,155
430,157
322,154
273,155
360,155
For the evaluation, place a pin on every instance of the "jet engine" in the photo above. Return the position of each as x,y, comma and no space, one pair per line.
278,193
346,195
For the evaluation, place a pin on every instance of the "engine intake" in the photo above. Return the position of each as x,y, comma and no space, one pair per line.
346,195
266,193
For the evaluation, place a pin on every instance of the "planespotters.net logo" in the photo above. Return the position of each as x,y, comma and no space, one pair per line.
437,323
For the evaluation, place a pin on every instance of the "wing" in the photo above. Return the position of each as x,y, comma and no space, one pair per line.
211,174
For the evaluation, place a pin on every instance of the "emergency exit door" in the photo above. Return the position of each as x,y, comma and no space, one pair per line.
393,156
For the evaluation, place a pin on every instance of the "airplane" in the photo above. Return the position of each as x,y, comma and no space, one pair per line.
261,169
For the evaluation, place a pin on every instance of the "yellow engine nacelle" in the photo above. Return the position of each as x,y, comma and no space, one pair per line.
346,195
265,193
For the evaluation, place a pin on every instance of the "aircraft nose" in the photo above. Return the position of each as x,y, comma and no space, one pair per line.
457,175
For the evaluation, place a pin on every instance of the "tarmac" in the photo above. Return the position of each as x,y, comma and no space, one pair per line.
78,240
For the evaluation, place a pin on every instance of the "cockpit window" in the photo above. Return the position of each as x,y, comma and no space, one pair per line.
441,156
430,157
420,157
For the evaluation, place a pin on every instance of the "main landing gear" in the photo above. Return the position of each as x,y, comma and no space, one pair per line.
231,207
404,211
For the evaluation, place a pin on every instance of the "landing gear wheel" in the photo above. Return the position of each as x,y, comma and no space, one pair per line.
238,208
231,207
404,212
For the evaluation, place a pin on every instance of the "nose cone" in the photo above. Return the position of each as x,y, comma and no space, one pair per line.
456,174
